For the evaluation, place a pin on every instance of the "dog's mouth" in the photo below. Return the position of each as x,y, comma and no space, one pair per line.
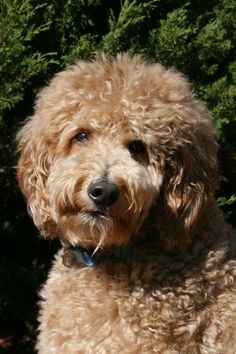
98,214
95,213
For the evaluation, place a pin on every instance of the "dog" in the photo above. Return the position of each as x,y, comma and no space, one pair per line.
119,161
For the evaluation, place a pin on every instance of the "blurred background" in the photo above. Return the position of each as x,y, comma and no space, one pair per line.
39,38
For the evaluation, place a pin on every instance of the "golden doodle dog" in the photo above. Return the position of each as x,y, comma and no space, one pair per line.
119,162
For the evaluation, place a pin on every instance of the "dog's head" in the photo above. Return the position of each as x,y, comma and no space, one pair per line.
112,142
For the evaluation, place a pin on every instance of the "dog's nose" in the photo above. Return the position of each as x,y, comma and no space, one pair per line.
103,193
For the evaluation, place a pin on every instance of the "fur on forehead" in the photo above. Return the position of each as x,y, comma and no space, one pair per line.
111,93
124,83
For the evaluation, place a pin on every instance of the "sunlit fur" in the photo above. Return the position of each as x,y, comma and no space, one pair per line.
159,298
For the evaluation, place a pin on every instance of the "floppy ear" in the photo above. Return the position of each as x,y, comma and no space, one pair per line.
191,178
32,172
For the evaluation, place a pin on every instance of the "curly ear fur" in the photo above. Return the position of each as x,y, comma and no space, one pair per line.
191,178
32,171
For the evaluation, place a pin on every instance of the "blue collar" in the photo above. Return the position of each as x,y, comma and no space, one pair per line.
90,259
82,256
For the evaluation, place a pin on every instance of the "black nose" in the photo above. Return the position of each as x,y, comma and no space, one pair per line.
103,193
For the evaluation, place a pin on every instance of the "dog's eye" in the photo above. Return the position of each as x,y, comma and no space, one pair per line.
136,147
82,136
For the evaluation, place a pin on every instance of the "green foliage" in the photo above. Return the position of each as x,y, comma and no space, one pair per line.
18,60
40,37
170,42
224,201
126,29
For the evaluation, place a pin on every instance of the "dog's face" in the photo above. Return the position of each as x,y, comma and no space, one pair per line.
103,180
111,141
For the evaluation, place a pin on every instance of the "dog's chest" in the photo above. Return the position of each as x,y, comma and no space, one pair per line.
140,303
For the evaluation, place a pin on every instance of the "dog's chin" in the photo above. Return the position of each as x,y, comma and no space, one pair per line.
95,228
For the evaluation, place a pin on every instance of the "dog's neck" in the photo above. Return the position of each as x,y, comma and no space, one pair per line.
91,257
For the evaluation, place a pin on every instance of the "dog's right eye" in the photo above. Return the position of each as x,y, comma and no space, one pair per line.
81,137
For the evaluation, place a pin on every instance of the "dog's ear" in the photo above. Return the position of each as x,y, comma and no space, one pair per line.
32,172
191,177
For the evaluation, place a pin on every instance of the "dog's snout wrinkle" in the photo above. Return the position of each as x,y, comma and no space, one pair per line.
103,193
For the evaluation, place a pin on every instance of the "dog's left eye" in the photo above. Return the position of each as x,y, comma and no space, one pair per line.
136,147
81,137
